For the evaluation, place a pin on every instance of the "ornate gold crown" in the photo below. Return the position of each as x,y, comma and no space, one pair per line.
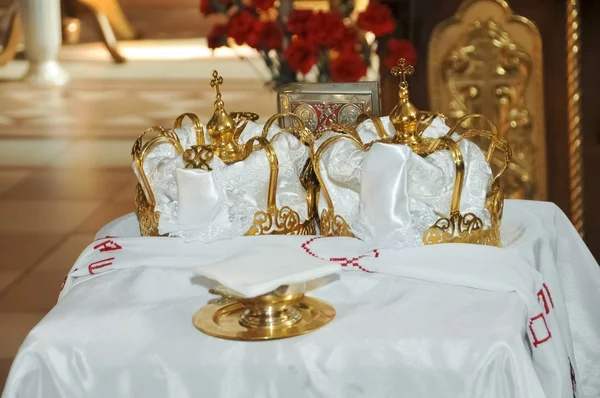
409,124
224,132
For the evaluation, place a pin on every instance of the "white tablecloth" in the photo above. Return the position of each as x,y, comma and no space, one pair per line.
128,332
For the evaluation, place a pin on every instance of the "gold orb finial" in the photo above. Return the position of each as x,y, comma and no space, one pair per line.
222,128
404,116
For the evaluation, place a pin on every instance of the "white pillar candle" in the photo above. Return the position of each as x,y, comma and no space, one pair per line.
43,37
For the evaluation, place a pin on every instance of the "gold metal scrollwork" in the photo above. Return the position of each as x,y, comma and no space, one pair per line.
145,200
199,157
487,60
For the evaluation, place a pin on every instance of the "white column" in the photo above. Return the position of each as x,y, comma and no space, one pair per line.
43,38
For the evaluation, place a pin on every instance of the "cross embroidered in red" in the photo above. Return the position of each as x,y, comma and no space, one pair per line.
344,261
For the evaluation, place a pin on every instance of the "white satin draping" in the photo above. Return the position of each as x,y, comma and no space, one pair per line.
401,330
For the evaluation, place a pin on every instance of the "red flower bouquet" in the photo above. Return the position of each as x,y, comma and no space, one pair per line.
300,42
377,18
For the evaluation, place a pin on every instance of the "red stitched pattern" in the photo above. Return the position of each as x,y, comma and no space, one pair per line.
542,298
542,294
100,264
344,261
108,246
549,295
308,242
536,340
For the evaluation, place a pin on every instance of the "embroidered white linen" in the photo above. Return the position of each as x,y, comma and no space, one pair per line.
451,320
389,195
198,205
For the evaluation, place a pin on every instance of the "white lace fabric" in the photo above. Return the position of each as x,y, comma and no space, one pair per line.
198,205
389,195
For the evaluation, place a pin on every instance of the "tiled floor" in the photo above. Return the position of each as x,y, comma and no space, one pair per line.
65,170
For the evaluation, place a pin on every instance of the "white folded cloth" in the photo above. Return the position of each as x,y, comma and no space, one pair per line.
265,268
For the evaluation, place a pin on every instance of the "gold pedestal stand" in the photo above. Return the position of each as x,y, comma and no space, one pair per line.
276,315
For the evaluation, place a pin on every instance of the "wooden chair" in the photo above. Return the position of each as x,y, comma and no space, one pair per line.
14,34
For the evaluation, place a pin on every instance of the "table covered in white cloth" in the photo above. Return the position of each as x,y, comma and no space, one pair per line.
128,332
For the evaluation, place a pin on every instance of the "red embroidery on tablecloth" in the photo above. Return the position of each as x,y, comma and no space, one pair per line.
344,261
542,298
100,264
549,295
108,246
308,242
542,294
536,319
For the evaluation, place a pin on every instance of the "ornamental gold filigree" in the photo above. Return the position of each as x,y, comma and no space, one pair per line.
147,217
487,60
199,157
284,221
465,228
332,224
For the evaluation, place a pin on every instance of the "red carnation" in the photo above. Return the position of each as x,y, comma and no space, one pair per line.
206,7
245,28
254,37
398,48
263,4
325,29
348,66
272,36
297,21
377,18
301,56
348,41
217,36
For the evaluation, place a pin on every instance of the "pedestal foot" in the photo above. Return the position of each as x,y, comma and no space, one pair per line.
46,73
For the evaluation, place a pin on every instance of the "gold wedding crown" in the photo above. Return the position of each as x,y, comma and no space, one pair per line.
224,130
409,124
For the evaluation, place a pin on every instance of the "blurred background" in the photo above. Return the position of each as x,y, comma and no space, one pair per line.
81,79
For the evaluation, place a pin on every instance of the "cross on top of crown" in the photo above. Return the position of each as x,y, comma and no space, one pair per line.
403,70
216,81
